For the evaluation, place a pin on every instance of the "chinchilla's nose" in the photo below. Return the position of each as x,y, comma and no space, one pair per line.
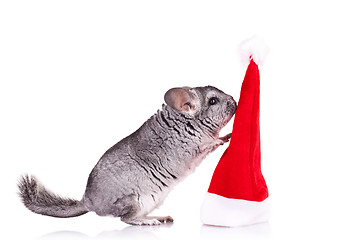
231,106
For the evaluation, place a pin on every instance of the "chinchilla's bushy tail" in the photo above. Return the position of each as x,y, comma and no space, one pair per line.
40,200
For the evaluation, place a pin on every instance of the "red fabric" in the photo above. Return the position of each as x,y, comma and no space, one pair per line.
238,173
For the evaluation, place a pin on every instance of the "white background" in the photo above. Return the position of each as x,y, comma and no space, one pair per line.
78,76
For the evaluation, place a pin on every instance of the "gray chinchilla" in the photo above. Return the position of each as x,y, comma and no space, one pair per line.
134,176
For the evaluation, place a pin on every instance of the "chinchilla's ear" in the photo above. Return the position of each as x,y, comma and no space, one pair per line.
181,99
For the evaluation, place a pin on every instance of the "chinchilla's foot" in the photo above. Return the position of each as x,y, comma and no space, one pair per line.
150,221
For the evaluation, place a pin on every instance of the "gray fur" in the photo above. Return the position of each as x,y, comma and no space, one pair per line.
40,200
135,175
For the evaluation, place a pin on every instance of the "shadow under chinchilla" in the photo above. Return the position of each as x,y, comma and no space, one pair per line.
129,232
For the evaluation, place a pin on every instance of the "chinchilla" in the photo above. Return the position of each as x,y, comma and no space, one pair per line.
134,176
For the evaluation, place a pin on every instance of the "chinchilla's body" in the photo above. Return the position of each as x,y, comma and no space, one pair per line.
135,175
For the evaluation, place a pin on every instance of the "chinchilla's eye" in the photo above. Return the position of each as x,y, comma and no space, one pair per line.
213,101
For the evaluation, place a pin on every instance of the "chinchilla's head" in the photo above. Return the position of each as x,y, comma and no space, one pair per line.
211,107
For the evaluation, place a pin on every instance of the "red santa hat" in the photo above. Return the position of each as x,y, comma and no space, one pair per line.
238,194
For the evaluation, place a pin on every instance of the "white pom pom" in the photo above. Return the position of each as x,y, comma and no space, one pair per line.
254,48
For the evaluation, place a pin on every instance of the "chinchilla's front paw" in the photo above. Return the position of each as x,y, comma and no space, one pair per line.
225,139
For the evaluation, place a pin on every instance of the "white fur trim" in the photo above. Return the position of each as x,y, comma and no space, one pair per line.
254,47
221,211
